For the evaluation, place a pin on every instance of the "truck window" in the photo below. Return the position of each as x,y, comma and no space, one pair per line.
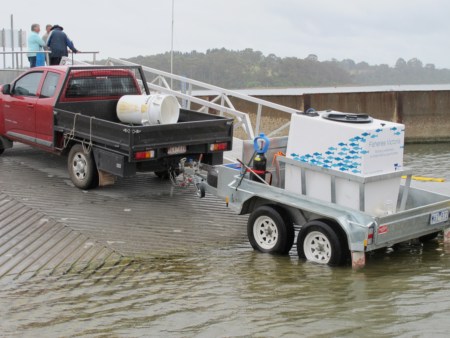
101,86
49,86
28,85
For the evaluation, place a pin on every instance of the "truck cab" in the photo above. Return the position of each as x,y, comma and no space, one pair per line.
26,106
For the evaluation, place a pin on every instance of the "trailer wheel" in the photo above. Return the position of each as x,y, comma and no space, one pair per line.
429,237
268,232
318,242
201,191
2,151
82,168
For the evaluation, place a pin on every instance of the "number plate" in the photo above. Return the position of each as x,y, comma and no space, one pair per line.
176,150
439,217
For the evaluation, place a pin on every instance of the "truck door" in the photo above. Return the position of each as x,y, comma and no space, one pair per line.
44,109
19,107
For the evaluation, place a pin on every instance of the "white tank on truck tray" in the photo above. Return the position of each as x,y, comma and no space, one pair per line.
349,143
148,109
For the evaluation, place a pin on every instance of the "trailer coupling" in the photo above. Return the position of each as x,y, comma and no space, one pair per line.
188,174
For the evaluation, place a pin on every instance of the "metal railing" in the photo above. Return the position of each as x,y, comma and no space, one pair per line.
17,56
221,101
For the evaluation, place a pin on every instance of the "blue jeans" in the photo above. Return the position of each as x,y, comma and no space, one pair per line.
32,60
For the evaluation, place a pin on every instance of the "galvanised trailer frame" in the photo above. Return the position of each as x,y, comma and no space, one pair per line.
329,233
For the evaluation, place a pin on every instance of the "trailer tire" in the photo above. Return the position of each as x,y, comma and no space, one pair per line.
429,237
2,151
268,231
318,242
82,168
201,191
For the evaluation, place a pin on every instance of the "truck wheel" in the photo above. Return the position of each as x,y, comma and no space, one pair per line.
268,232
82,168
429,237
319,243
212,177
164,174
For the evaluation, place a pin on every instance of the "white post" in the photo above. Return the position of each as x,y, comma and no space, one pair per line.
4,47
171,46
12,41
21,48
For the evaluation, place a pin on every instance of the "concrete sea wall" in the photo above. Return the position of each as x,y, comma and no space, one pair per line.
426,114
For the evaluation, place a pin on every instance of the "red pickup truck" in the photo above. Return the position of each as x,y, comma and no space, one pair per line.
72,111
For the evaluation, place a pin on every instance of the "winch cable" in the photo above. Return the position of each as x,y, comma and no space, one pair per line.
244,171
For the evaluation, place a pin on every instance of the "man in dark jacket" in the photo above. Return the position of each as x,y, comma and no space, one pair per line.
58,42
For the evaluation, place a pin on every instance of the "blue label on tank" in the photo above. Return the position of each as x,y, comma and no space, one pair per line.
345,156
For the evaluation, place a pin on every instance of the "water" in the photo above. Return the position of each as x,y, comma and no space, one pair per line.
429,159
234,291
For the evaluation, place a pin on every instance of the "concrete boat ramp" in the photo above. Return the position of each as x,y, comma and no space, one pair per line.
49,227
32,244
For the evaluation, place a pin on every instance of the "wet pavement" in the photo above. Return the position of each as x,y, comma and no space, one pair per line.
140,216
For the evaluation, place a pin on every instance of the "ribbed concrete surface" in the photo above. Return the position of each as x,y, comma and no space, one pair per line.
32,244
137,217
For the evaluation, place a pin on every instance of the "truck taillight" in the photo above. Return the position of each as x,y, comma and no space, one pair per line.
142,155
218,146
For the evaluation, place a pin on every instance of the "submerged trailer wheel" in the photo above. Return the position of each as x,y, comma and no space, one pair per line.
318,242
268,231
82,168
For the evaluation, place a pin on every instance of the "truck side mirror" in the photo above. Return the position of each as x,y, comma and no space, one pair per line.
6,89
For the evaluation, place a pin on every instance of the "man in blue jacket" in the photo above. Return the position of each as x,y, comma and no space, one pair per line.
58,42
35,43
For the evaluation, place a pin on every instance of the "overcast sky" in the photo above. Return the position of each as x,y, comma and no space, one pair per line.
363,30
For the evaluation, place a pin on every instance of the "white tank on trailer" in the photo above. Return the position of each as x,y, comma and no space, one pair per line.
351,143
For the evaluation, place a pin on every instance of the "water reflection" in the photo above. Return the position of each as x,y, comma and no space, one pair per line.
237,292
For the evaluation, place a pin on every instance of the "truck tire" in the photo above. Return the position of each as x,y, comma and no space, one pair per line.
212,177
82,168
318,242
164,174
268,231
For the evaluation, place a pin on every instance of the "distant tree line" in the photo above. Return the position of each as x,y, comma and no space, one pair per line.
251,69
